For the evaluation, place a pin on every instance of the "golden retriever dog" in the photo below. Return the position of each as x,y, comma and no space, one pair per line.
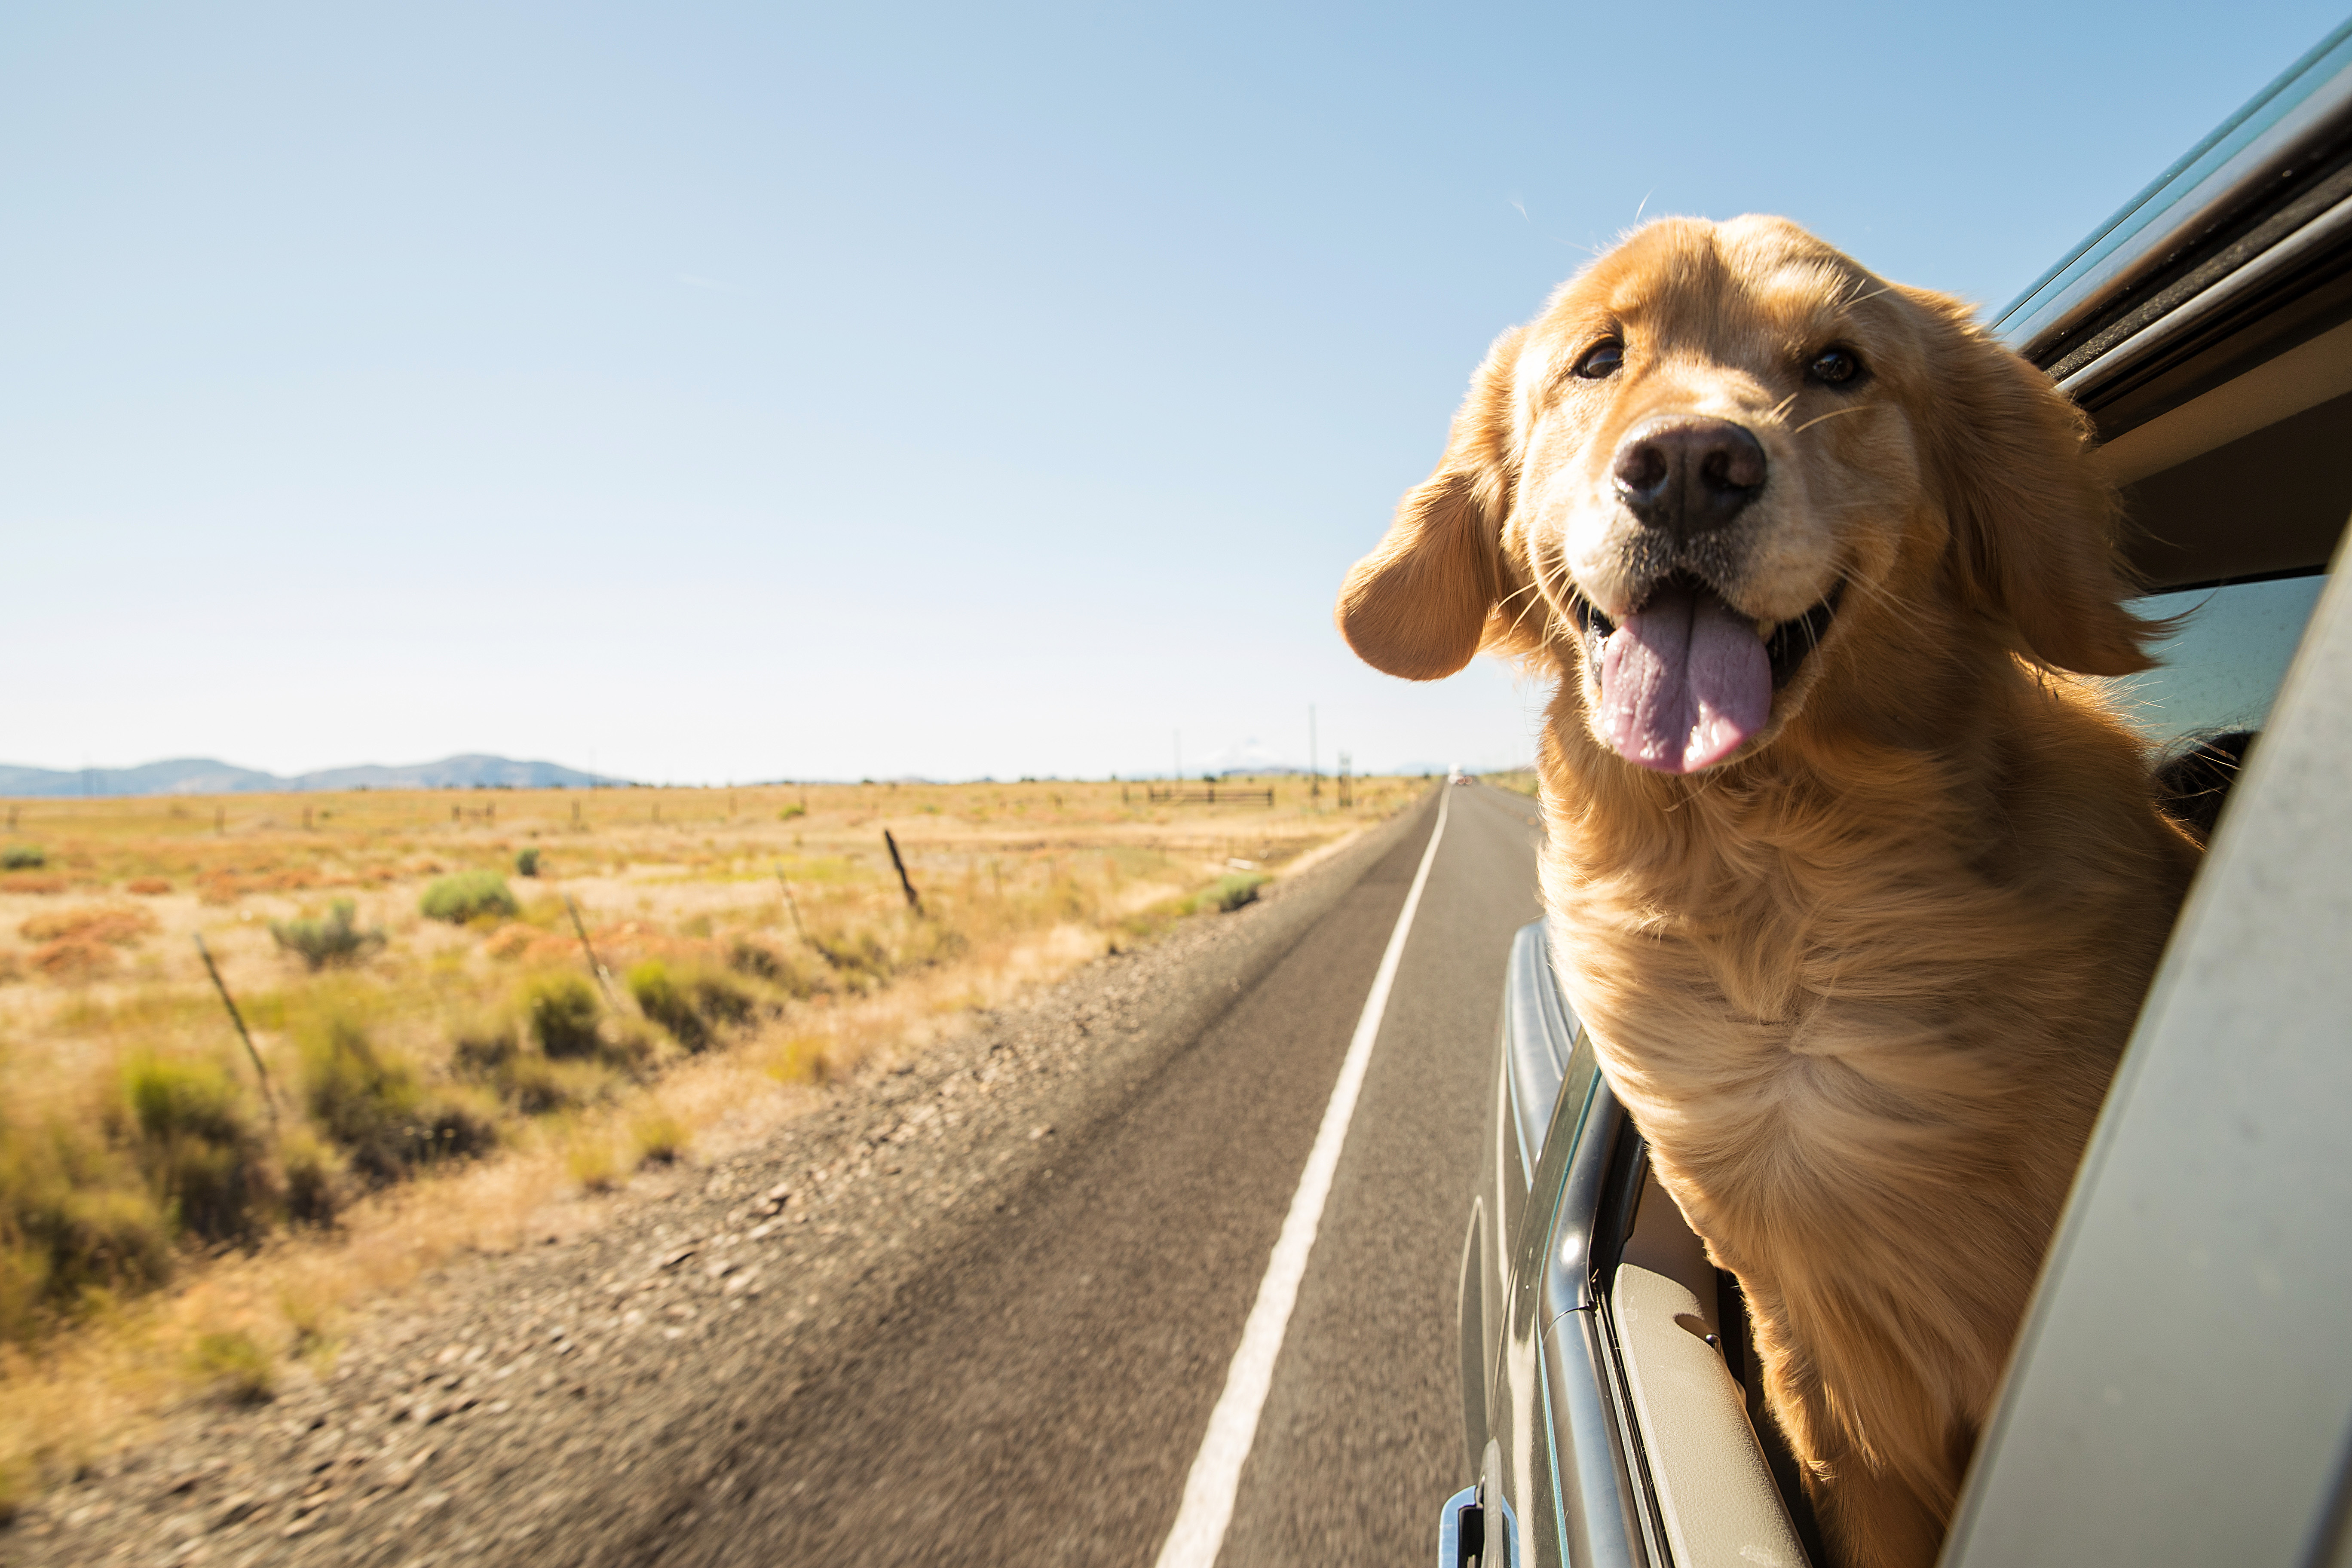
1855,883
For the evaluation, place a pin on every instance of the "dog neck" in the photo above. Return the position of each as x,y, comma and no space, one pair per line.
1723,930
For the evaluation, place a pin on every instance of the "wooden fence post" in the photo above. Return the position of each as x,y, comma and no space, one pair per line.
913,902
259,1071
792,904
603,975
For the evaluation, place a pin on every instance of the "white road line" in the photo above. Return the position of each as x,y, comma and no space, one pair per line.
1208,1509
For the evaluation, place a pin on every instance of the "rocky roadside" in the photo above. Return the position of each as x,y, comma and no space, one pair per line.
559,1404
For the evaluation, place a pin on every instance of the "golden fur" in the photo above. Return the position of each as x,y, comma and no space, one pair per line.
1862,984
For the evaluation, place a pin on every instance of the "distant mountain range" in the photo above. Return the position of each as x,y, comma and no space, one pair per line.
204,775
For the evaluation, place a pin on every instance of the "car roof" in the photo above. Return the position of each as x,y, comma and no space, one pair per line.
2215,209
2206,328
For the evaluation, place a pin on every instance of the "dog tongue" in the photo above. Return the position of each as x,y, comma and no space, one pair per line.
1682,682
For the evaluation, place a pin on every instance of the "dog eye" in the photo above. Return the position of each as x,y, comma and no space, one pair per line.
1834,367
1601,360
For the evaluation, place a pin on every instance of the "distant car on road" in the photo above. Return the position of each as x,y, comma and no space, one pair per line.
2181,1391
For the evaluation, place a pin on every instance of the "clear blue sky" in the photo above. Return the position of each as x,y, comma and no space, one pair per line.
711,391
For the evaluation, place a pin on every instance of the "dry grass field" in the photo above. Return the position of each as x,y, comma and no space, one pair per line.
452,1060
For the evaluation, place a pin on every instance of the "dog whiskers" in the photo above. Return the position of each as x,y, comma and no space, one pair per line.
1559,598
1519,619
1849,408
1876,592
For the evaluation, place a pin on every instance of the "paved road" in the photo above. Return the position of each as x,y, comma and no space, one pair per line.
1041,1400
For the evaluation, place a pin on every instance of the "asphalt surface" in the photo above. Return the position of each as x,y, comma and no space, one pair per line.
986,1325
1043,1403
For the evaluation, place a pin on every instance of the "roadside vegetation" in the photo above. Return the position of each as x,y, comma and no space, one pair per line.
463,1006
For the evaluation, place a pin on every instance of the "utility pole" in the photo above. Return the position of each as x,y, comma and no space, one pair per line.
1180,756
1314,775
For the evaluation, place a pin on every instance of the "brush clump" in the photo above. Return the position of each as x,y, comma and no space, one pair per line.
467,896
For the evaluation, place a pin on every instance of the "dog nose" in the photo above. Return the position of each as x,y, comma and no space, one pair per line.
1687,475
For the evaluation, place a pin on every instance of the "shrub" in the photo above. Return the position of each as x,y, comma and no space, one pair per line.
73,1224
722,1001
591,1162
1233,890
858,957
564,1011
198,1152
790,973
232,1368
548,1048
312,1174
320,943
789,812
512,939
692,1006
358,1098
450,1131
805,1058
630,1047
117,925
373,1107
526,862
526,1079
484,1045
758,960
658,1137
73,959
666,1002
23,857
469,895
533,1085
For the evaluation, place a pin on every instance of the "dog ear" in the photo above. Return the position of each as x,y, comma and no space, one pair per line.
2033,524
1417,607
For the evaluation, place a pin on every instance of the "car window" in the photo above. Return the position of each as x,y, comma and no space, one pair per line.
2221,671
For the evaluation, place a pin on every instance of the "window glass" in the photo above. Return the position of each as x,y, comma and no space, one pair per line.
2222,668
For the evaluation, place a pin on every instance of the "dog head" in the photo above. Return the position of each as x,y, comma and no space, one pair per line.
1726,462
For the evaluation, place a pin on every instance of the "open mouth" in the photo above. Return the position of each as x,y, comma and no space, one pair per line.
1685,679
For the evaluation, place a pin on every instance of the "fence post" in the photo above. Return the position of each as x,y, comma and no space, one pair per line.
259,1071
603,975
913,902
793,905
